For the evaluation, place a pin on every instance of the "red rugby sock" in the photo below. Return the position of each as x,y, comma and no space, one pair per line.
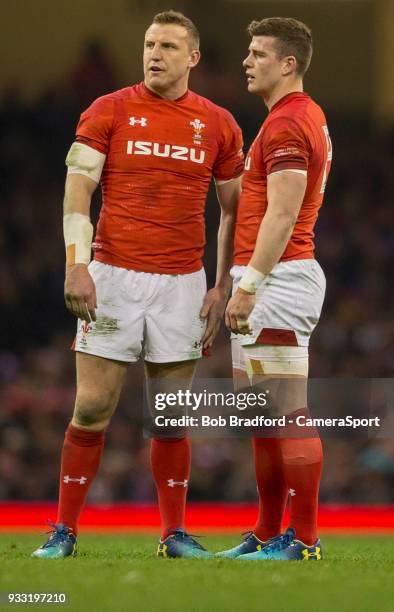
271,486
170,460
302,464
79,464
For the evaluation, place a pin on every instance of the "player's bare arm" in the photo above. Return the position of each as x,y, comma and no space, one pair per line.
79,288
285,193
228,194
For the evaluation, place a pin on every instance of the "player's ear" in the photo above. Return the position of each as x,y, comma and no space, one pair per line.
195,56
289,65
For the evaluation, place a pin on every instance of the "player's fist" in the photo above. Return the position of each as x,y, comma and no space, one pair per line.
80,292
238,311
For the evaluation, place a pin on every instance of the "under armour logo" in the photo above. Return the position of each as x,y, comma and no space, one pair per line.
67,479
292,492
143,121
316,553
162,550
172,483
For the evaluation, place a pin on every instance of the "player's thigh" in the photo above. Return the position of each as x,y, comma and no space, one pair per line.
169,377
180,370
174,328
281,371
99,384
162,380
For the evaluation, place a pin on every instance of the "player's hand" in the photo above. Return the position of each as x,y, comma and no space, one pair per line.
213,310
238,311
80,292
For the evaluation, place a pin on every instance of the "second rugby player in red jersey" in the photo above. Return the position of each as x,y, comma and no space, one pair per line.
278,284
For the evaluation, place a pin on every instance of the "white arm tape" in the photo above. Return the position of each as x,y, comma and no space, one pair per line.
82,159
303,172
252,279
78,234
223,182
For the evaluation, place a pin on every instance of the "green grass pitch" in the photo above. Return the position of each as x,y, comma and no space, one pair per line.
121,572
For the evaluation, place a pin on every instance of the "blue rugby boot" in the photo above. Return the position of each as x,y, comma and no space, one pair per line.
250,544
286,548
180,544
60,544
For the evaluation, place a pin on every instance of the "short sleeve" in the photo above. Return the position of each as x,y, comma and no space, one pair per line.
285,146
95,124
229,163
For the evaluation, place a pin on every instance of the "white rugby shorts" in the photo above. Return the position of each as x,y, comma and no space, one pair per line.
288,304
153,316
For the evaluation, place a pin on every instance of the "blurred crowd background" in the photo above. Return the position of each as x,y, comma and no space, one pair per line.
355,245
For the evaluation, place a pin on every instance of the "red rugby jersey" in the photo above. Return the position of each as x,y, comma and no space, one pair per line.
294,136
161,156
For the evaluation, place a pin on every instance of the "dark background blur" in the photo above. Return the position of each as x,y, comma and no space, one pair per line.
61,56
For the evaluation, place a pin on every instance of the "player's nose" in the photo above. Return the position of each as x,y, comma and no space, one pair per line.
246,63
156,52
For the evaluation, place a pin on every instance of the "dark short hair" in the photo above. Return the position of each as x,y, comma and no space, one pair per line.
293,38
176,18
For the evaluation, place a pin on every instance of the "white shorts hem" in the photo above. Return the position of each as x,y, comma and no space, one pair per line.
170,358
107,355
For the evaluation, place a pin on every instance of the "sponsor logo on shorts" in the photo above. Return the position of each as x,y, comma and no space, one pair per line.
85,329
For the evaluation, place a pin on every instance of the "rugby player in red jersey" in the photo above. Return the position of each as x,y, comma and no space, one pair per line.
278,285
154,147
